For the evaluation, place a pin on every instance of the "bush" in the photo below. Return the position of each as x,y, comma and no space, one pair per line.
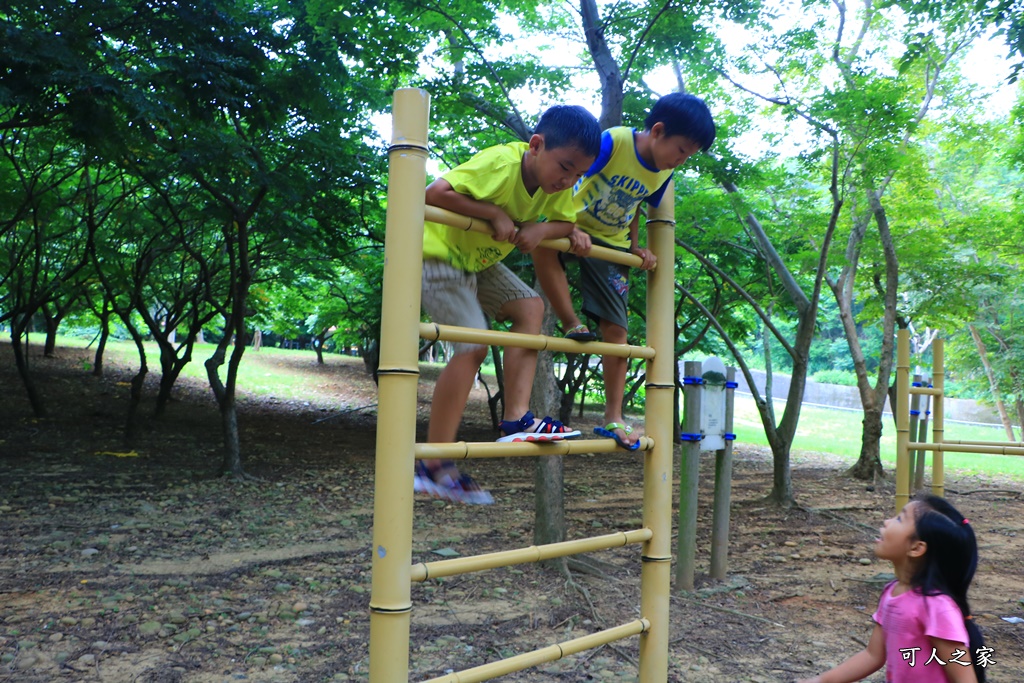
842,377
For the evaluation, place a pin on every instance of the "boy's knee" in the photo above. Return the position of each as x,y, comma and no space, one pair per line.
472,353
527,312
612,333
534,307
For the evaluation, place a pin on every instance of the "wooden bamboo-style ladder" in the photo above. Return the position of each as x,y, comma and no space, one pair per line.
393,570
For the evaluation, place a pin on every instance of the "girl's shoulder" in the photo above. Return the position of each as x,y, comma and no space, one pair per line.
887,591
918,600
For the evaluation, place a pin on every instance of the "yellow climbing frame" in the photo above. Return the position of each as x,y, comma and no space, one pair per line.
397,450
938,444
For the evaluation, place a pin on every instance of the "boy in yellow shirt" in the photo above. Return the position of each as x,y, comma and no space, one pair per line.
512,186
632,167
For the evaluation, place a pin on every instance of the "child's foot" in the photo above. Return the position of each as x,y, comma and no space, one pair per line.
621,432
447,483
529,428
580,333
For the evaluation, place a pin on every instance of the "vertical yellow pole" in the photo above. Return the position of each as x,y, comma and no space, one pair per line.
902,409
390,602
939,382
656,559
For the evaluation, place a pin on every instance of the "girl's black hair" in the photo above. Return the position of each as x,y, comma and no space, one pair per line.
948,564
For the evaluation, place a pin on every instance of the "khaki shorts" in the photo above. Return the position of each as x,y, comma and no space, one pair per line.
454,297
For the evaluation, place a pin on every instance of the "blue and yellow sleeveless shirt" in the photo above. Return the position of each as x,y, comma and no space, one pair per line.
608,195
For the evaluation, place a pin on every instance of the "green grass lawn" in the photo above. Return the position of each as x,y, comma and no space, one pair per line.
820,429
258,373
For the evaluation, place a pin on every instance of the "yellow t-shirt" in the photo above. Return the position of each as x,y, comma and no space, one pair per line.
609,194
495,176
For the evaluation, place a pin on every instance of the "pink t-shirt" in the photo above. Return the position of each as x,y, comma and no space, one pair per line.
908,621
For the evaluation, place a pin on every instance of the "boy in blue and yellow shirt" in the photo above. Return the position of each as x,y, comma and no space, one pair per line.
632,167
512,186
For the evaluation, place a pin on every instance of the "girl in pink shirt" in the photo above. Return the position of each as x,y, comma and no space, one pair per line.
923,629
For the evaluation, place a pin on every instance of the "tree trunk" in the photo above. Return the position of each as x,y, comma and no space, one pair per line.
97,360
170,368
318,346
52,323
234,330
135,393
607,68
549,503
993,382
18,328
549,508
231,463
869,464
782,483
780,437
1019,403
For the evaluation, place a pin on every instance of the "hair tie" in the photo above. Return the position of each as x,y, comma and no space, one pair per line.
965,521
968,617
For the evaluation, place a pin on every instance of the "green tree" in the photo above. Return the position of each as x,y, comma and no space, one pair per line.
43,244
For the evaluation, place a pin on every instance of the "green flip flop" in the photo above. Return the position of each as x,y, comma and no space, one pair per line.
607,432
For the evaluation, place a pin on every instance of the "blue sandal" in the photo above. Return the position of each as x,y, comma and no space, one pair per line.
461,490
608,433
524,430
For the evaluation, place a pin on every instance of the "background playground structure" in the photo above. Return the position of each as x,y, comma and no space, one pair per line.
939,444
837,431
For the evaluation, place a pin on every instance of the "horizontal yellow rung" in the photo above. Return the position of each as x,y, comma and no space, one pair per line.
949,447
436,214
433,331
547,654
1012,444
463,450
534,553
929,391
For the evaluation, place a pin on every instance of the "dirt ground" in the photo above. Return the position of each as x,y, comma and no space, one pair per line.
137,563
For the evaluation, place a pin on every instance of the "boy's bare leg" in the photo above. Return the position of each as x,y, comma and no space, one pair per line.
615,380
551,277
450,396
526,316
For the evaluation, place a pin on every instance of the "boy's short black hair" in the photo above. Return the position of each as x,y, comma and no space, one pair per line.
685,115
566,125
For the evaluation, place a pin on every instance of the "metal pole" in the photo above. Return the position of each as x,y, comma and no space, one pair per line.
902,418
723,489
689,473
939,383
915,410
656,557
922,435
390,594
